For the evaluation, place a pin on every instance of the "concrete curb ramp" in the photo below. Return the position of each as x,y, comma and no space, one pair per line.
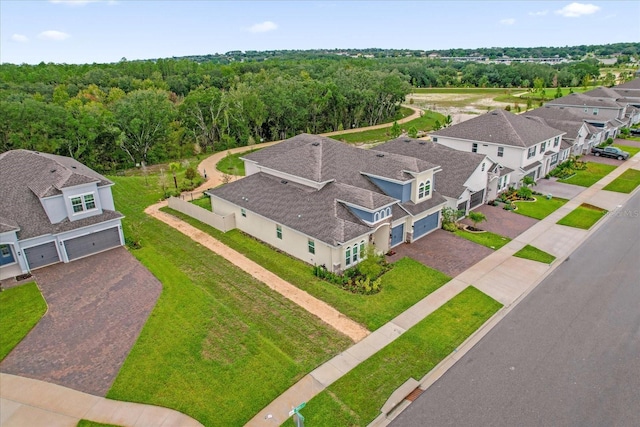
25,402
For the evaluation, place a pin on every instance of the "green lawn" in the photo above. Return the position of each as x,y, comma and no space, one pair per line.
584,216
21,308
404,285
473,90
586,178
541,208
488,239
232,165
424,123
629,149
356,398
87,423
219,345
535,254
625,183
203,202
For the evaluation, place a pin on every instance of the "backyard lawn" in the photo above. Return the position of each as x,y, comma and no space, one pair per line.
219,345
21,308
625,183
541,208
232,165
629,149
535,254
488,239
405,284
356,398
425,122
592,174
584,216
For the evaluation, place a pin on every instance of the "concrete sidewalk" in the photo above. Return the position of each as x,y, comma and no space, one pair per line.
25,402
502,276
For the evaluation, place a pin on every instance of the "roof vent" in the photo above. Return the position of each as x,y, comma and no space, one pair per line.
380,155
422,143
494,113
52,170
315,144
73,167
284,181
407,140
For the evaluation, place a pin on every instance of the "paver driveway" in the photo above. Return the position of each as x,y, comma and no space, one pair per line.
443,251
97,308
502,222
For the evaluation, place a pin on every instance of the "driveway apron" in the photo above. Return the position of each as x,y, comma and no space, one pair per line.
97,307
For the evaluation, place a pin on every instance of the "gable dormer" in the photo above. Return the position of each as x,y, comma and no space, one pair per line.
422,187
81,201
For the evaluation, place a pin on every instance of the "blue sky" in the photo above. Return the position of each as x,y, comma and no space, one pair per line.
85,31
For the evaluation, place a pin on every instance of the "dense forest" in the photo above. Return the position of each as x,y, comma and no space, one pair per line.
111,116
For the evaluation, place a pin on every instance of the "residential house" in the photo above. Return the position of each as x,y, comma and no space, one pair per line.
323,201
467,179
580,136
54,209
520,143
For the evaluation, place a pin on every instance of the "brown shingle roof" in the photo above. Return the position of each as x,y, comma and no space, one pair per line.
581,100
500,127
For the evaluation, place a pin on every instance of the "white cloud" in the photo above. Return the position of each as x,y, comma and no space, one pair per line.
53,35
263,27
539,13
575,10
20,38
508,21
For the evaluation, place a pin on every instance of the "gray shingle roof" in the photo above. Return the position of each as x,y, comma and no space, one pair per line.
569,127
25,176
316,213
457,166
500,127
7,224
602,92
633,84
418,208
322,159
581,100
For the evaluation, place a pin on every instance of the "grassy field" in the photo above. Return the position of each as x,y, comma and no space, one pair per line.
424,123
488,239
407,283
625,183
21,308
584,216
232,165
463,90
218,345
541,208
535,254
356,398
87,423
592,174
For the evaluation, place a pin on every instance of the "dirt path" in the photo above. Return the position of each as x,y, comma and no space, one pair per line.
319,308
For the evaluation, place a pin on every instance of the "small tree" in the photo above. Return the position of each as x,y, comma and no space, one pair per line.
190,174
174,167
372,264
395,130
527,181
413,132
448,120
524,193
476,218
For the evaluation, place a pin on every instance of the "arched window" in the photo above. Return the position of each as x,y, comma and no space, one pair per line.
376,217
362,254
421,190
348,256
427,188
388,212
355,253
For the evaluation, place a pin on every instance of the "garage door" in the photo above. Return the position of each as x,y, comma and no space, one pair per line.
397,235
477,199
425,225
92,243
41,255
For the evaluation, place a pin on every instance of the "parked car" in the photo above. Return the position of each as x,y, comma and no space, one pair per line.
613,152
634,131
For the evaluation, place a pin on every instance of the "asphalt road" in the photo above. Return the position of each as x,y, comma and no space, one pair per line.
567,355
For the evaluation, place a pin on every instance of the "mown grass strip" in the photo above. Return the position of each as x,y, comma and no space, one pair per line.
488,239
584,216
535,254
356,398
625,183
541,208
21,308
592,174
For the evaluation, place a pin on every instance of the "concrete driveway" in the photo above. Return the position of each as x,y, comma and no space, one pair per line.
97,308
443,251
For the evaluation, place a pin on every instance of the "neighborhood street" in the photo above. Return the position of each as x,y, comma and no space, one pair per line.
567,355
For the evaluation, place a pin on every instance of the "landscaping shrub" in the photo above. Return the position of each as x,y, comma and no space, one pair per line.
449,218
568,168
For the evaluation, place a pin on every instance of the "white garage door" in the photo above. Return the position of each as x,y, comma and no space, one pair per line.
92,243
41,255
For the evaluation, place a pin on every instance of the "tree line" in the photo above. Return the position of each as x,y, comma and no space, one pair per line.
111,116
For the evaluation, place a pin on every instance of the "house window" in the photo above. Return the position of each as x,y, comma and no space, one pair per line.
279,232
243,213
312,246
532,152
376,217
347,259
595,111
482,169
435,139
5,251
474,148
502,183
556,141
362,248
355,253
83,203
543,146
500,151
424,189
554,159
